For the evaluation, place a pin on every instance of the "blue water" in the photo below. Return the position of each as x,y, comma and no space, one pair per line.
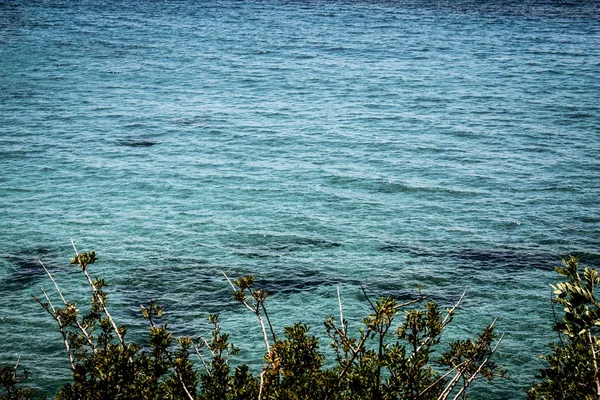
312,144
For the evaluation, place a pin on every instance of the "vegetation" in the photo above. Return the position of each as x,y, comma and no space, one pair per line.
573,365
396,354
10,377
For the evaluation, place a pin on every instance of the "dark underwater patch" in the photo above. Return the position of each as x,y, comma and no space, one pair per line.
26,269
481,258
137,143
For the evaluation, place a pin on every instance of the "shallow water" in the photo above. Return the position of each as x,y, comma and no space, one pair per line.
309,143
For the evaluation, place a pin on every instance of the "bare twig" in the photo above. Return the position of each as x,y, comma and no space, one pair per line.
207,346
448,389
202,359
262,382
53,281
81,328
451,311
74,248
345,340
441,378
100,301
595,363
49,307
17,364
256,312
262,325
262,305
185,389
460,372
104,309
355,353
341,313
447,319
230,283
368,299
408,303
474,376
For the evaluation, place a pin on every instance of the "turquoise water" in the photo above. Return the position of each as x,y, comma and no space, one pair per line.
312,144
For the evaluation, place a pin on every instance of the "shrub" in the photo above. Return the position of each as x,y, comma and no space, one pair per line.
10,378
388,358
572,371
384,361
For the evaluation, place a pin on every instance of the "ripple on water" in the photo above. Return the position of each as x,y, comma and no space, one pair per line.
387,144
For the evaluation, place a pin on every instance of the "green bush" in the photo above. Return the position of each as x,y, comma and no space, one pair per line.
572,371
10,378
393,355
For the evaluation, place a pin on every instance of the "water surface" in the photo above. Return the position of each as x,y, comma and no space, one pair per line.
312,144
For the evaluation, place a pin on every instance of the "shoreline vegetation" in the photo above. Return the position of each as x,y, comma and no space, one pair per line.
396,354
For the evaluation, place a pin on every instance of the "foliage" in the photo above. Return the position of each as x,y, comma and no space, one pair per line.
395,355
104,365
10,378
572,372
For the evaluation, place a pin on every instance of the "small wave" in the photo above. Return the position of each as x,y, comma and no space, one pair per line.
274,246
301,280
393,187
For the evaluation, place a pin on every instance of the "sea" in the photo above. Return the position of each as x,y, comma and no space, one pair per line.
378,148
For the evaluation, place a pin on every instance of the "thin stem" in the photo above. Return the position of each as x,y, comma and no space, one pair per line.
81,328
448,389
229,280
408,303
474,376
450,313
74,248
49,307
441,378
341,311
104,309
345,340
202,359
459,373
256,312
368,299
262,383
207,346
349,363
447,319
53,281
262,325
95,291
185,389
595,363
262,305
